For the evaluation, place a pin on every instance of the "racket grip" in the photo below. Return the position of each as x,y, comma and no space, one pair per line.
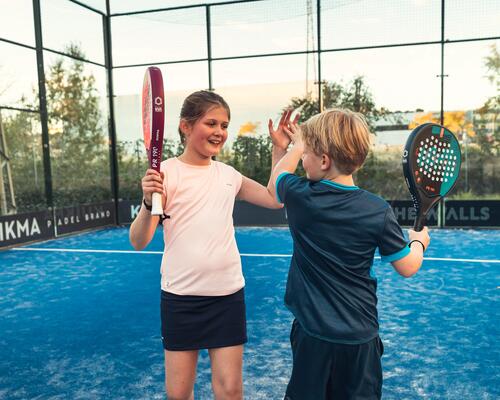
157,208
419,223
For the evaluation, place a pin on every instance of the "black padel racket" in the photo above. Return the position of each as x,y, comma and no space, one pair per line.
153,120
431,166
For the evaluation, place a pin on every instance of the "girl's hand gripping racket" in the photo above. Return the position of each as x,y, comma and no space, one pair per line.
431,165
153,119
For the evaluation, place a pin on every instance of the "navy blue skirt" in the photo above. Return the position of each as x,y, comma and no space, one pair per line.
202,322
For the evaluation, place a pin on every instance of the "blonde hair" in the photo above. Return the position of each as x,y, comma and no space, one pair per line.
341,134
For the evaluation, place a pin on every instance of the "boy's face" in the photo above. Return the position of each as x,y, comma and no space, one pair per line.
312,164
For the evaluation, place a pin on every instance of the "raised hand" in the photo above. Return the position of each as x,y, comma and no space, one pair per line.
279,136
294,132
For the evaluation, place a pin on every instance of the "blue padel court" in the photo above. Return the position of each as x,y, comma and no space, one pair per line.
79,319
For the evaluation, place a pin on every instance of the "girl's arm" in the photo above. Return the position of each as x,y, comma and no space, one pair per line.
144,226
258,194
254,192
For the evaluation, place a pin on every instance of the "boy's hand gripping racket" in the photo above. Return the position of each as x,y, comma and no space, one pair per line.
153,119
431,165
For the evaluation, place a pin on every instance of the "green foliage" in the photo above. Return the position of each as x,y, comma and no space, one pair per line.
252,157
355,96
78,139
133,163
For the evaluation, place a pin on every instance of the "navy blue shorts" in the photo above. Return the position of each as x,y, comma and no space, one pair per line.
325,370
202,322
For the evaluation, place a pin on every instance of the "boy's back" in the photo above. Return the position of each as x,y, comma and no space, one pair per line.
336,230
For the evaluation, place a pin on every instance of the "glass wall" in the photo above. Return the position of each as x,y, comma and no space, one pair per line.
471,111
78,131
179,81
400,63
22,174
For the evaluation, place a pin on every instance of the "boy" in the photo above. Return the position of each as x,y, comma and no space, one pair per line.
336,228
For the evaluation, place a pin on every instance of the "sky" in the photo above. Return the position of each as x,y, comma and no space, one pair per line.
400,78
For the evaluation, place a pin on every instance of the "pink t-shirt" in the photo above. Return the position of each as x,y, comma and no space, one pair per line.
200,255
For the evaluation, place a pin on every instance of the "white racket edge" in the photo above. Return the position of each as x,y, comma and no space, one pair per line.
157,208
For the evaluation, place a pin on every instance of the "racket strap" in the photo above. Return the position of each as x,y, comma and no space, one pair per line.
149,207
163,217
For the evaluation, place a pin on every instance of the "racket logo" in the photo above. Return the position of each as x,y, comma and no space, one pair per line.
158,104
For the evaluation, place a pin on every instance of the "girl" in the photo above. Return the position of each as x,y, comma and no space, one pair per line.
202,285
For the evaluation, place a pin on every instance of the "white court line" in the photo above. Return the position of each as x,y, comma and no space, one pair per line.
468,260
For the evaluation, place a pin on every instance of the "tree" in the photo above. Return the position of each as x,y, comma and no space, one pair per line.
355,96
251,153
78,141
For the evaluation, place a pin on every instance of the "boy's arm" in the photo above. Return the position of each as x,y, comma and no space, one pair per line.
410,264
288,164
290,161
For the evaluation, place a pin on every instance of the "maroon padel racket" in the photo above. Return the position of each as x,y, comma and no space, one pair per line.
153,120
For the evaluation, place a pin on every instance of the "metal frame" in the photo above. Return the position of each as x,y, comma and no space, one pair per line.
109,66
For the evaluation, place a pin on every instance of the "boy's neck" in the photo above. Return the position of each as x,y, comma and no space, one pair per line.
335,176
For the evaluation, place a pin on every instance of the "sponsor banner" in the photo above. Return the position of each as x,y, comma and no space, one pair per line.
22,228
405,213
128,210
485,213
458,213
246,214
78,218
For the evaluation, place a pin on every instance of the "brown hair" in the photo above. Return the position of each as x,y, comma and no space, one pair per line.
341,134
197,104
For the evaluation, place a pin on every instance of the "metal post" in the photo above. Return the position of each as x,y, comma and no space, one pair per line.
320,82
43,104
209,46
113,164
441,209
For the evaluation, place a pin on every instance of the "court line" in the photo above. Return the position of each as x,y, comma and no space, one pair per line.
469,260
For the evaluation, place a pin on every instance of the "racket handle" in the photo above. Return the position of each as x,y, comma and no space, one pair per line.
157,208
419,222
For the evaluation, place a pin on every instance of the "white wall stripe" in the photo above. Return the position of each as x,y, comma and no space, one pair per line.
465,260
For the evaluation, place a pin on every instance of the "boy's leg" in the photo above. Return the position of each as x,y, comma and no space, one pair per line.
227,366
312,363
361,375
180,374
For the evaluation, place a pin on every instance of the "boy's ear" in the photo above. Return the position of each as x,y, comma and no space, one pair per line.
326,162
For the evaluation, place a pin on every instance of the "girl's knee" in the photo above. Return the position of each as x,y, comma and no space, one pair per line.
230,390
179,393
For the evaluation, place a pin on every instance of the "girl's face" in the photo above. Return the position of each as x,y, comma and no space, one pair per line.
206,136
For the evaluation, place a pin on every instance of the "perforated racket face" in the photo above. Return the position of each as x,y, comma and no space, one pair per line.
436,163
431,164
153,115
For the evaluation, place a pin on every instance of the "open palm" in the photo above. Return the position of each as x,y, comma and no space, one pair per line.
279,136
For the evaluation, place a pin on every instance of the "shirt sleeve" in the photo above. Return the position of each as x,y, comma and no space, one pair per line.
286,183
237,180
392,243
